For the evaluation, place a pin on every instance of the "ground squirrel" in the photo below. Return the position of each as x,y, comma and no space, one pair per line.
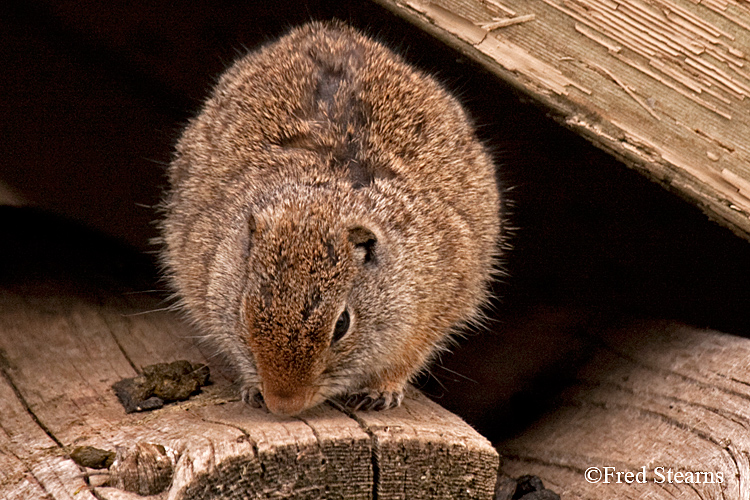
332,218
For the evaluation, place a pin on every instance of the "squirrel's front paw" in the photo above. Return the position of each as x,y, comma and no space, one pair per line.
252,396
373,399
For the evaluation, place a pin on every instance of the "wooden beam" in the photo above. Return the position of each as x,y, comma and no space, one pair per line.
661,84
656,397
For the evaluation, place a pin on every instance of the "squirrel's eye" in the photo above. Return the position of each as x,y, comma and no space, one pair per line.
342,326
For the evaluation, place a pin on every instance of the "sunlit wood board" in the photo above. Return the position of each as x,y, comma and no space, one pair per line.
661,84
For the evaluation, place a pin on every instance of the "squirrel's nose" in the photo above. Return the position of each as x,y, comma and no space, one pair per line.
288,402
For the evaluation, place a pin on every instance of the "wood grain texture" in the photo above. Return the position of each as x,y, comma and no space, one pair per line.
655,395
418,452
661,84
65,339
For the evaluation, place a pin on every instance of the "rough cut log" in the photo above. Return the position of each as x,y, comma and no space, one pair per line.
64,340
656,397
661,84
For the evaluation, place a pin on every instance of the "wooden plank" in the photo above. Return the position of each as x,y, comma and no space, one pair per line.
434,442
656,397
64,343
661,84
27,455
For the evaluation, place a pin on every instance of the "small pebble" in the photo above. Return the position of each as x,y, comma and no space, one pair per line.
526,487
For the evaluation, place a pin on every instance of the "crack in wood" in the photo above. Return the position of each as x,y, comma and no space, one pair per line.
120,347
628,90
22,401
734,379
253,444
47,494
374,450
95,493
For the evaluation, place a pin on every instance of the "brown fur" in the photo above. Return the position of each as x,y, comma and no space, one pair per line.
324,173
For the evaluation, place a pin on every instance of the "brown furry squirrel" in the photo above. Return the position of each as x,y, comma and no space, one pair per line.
332,219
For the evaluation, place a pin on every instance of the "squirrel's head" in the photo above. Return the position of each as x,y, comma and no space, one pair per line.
302,309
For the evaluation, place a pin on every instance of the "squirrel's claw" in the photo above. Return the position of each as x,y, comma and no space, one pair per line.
253,397
373,400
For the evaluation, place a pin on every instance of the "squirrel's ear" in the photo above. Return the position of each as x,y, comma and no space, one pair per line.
364,242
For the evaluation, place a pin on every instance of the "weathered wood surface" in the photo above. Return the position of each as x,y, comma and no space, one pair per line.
655,395
662,84
62,345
